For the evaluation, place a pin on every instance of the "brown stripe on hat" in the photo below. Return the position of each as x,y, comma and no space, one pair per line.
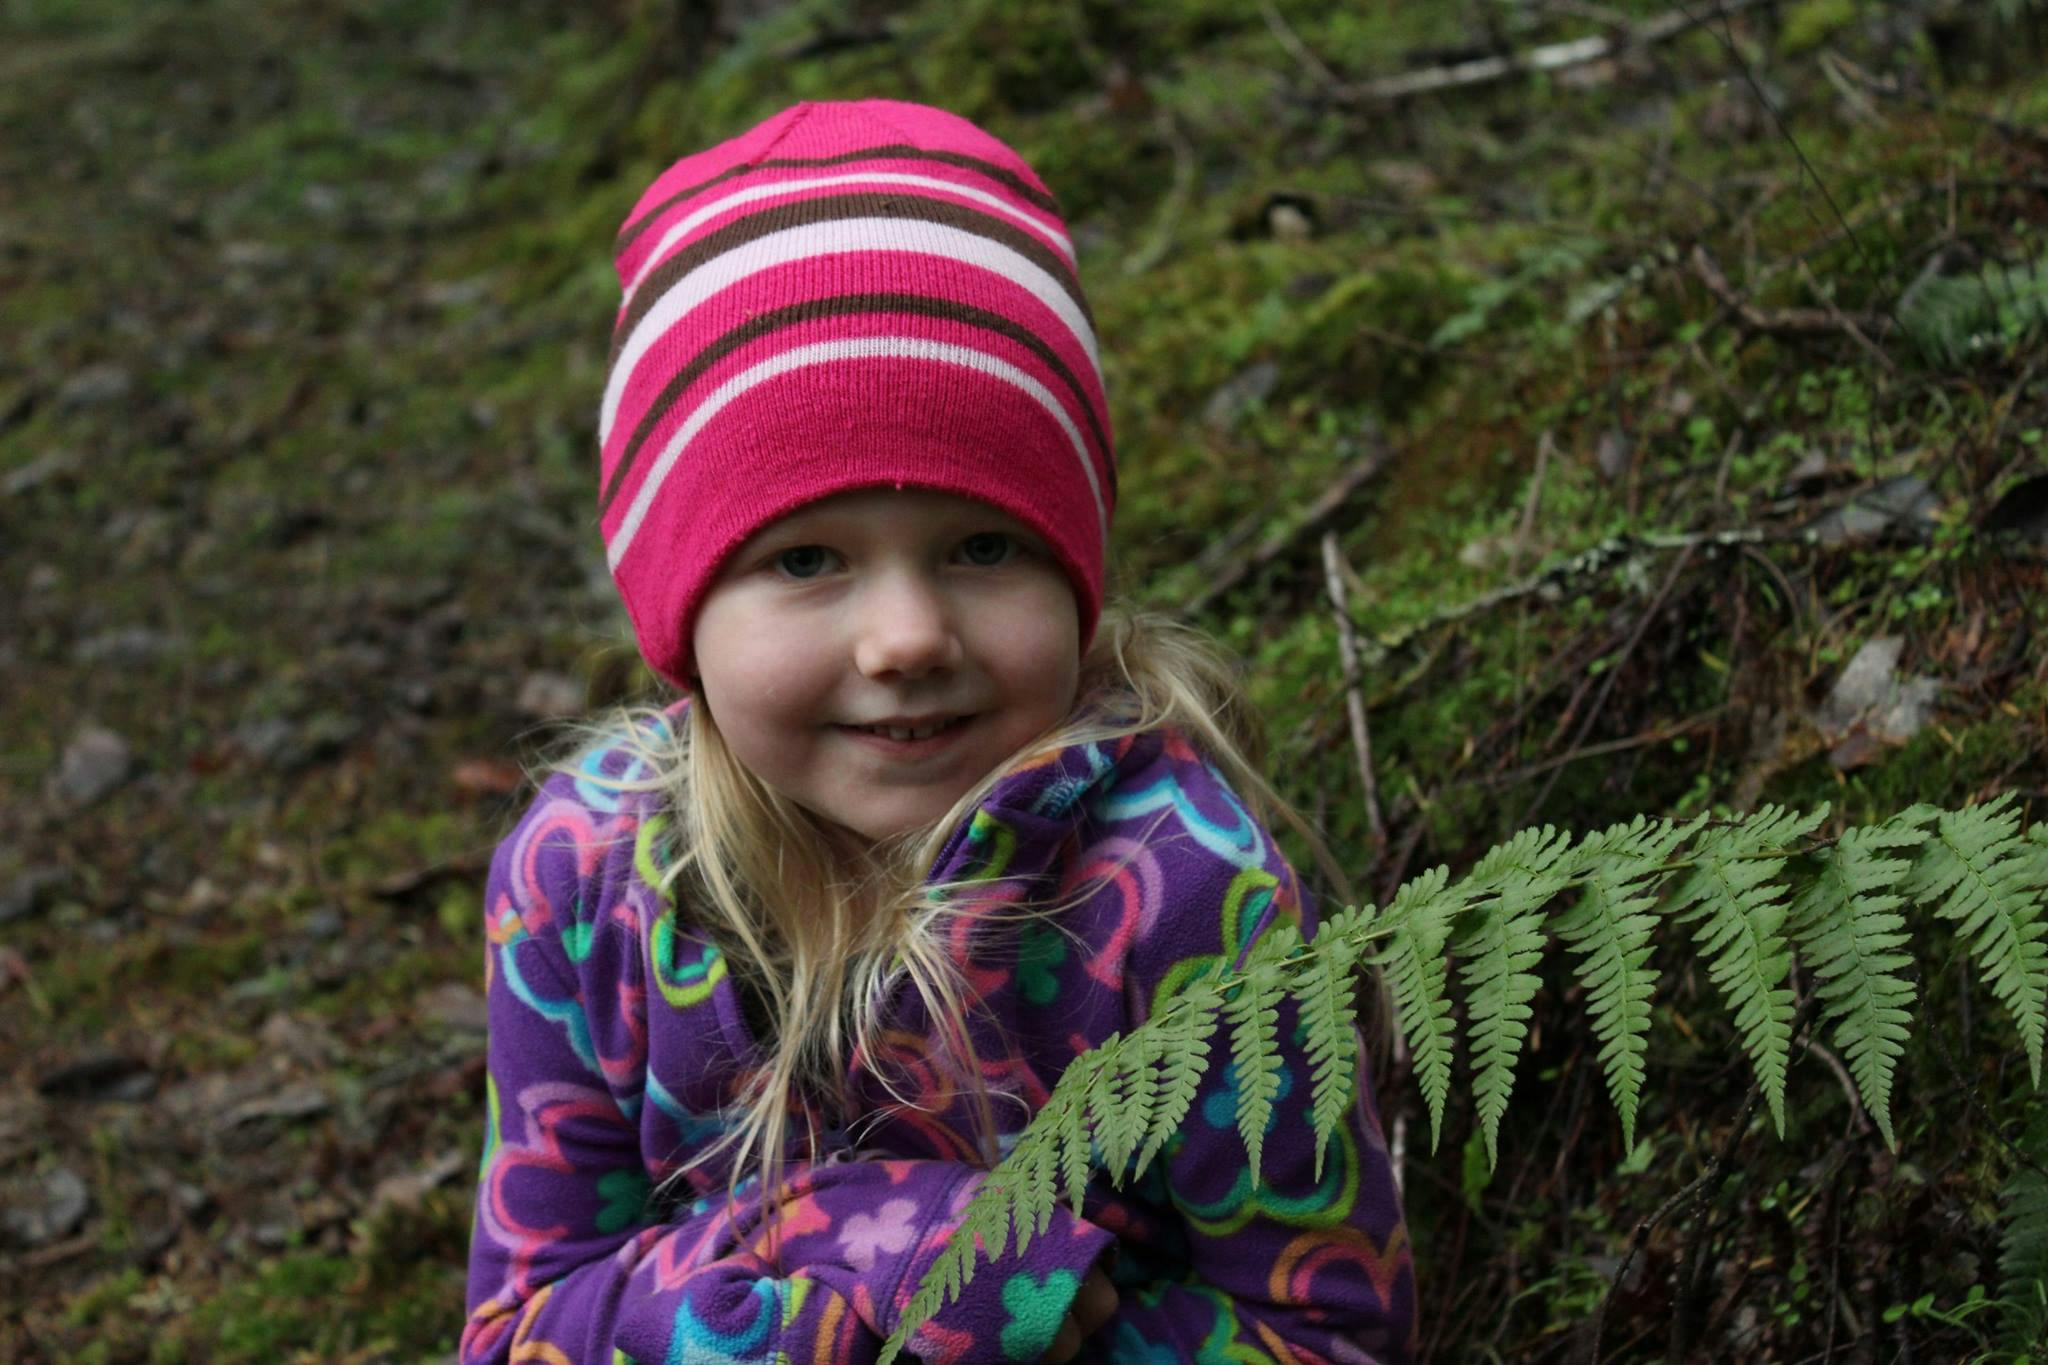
843,305
776,216
895,151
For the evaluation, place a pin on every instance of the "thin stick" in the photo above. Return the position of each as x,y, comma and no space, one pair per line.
1697,1188
1549,57
1327,504
1780,321
1613,674
1354,702
1303,55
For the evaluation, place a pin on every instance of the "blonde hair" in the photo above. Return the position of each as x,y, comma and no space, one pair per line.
824,929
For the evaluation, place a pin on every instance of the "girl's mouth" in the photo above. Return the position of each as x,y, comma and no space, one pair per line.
909,739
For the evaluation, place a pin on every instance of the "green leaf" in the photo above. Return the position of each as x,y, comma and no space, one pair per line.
1076,1158
1990,881
1523,874
1609,930
1847,926
1184,1046
1414,960
1255,1054
1733,894
1327,994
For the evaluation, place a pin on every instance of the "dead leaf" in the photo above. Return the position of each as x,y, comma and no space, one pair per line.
404,1191
486,777
1870,695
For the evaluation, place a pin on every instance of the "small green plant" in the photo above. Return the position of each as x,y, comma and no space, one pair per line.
1752,894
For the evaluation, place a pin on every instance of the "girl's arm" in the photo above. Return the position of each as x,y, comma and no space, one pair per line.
564,1266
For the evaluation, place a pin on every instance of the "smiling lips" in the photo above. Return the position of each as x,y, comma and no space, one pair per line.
909,730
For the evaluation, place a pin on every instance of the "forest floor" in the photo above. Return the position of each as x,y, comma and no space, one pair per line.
1674,419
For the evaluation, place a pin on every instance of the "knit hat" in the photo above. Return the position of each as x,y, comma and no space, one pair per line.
847,296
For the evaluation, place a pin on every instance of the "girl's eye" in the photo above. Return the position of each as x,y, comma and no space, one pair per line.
988,549
804,561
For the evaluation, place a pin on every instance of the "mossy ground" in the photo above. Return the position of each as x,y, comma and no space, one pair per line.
306,321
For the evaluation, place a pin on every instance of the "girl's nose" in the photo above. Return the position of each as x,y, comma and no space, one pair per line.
904,626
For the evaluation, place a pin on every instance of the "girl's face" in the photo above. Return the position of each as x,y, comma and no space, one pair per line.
874,654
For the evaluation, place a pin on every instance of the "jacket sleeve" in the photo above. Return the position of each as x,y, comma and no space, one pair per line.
1300,1267
565,1264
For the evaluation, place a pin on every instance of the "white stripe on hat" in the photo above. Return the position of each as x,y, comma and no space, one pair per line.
835,236
682,229
831,352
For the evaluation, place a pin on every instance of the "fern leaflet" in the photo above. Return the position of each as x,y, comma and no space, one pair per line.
1329,1010
1076,1156
1989,881
1128,1085
1414,957
1523,874
2023,1247
1733,892
1185,1027
1847,925
1609,929
1254,1051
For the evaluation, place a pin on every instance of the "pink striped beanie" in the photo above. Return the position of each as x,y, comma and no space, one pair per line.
850,295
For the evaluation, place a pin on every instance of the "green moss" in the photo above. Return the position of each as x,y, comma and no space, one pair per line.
1812,22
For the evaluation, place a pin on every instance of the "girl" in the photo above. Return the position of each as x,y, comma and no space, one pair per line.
777,973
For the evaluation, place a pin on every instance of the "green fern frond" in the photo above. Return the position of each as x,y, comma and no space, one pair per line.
1255,1054
1953,318
1609,929
1327,996
2023,1246
1122,1110
1074,1126
1733,892
1420,917
1989,880
1846,924
1184,1029
1126,1099
1507,940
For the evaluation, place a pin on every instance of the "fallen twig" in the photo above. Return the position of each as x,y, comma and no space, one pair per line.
1700,1188
1161,238
1354,703
1828,321
1332,499
1553,577
1613,673
1549,57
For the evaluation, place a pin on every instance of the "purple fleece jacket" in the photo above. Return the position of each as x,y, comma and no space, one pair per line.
617,1041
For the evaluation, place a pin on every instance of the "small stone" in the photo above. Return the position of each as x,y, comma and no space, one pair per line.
191,1198
31,891
298,1100
96,385
322,923
39,470
405,1190
132,645
455,1006
95,763
1251,385
39,1209
1613,454
100,1074
265,739
547,696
